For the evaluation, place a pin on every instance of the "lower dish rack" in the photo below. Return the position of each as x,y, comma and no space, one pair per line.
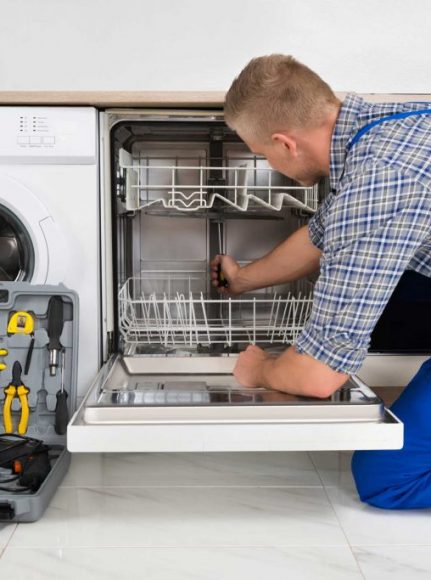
187,318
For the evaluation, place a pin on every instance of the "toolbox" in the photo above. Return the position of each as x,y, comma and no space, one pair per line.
38,386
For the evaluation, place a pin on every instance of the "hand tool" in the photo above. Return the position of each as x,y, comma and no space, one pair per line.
16,388
220,276
22,322
55,328
61,410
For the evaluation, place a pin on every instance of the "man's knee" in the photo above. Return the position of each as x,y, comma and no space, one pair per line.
391,480
369,478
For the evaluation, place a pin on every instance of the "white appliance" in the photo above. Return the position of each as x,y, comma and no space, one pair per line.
178,187
49,210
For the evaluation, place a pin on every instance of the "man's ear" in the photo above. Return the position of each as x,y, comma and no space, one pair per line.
286,141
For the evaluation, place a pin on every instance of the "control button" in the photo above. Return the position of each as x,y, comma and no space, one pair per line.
23,140
48,140
36,140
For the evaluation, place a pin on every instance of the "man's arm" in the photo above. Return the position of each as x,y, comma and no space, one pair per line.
294,258
291,372
376,225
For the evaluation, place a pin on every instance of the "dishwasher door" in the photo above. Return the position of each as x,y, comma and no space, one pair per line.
144,404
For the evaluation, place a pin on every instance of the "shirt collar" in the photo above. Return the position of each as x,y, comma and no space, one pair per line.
346,126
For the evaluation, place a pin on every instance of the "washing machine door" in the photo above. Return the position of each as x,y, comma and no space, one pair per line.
27,231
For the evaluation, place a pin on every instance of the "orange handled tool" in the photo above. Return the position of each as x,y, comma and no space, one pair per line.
16,389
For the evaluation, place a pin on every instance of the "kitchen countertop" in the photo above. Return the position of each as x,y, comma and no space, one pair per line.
113,98
153,98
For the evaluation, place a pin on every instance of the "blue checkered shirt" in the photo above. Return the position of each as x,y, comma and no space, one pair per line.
374,225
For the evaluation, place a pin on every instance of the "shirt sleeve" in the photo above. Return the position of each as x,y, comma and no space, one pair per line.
376,223
316,227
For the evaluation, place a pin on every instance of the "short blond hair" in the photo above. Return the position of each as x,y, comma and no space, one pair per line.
275,93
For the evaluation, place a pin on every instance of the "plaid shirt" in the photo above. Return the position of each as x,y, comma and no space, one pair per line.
375,224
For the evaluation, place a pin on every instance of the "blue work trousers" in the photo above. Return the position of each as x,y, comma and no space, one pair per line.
401,479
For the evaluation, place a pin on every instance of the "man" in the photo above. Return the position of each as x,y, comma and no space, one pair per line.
374,225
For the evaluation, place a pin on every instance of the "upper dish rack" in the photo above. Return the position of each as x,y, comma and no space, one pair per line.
186,187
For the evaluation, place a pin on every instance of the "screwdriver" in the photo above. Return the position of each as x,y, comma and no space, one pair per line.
220,276
55,348
55,328
61,410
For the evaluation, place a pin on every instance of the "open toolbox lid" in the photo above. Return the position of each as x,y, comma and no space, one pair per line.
16,336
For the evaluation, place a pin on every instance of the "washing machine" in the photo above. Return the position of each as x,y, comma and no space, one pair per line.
49,210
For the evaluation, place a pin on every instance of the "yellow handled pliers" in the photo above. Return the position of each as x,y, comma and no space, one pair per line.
16,389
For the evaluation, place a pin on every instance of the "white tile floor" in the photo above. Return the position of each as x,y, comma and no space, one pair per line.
215,516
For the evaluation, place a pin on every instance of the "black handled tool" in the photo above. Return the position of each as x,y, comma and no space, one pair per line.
55,348
55,328
221,280
61,409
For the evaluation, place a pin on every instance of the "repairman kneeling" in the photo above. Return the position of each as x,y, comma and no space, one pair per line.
373,226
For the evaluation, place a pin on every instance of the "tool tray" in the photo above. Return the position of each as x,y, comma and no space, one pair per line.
29,506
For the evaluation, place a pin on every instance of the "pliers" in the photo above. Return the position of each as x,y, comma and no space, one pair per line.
16,388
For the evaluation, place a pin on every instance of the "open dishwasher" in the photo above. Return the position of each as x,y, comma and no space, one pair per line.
178,188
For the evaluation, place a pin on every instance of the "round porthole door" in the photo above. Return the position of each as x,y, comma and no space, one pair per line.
16,248
27,231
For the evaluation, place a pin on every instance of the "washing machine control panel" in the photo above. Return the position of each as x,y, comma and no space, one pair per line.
48,135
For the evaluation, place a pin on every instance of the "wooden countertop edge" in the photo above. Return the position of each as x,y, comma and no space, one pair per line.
113,98
154,98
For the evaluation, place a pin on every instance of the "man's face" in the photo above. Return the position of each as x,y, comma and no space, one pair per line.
288,160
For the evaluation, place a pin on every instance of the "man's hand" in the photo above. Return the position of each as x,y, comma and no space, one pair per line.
294,258
290,372
248,369
230,270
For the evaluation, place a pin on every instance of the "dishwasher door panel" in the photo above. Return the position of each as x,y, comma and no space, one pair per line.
168,404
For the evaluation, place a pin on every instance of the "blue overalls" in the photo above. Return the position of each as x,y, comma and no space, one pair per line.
400,479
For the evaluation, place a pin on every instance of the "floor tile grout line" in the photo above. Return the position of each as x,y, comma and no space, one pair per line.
391,545
156,486
337,518
5,546
179,547
358,563
209,546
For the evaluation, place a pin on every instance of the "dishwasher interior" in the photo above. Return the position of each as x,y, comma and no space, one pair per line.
187,192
